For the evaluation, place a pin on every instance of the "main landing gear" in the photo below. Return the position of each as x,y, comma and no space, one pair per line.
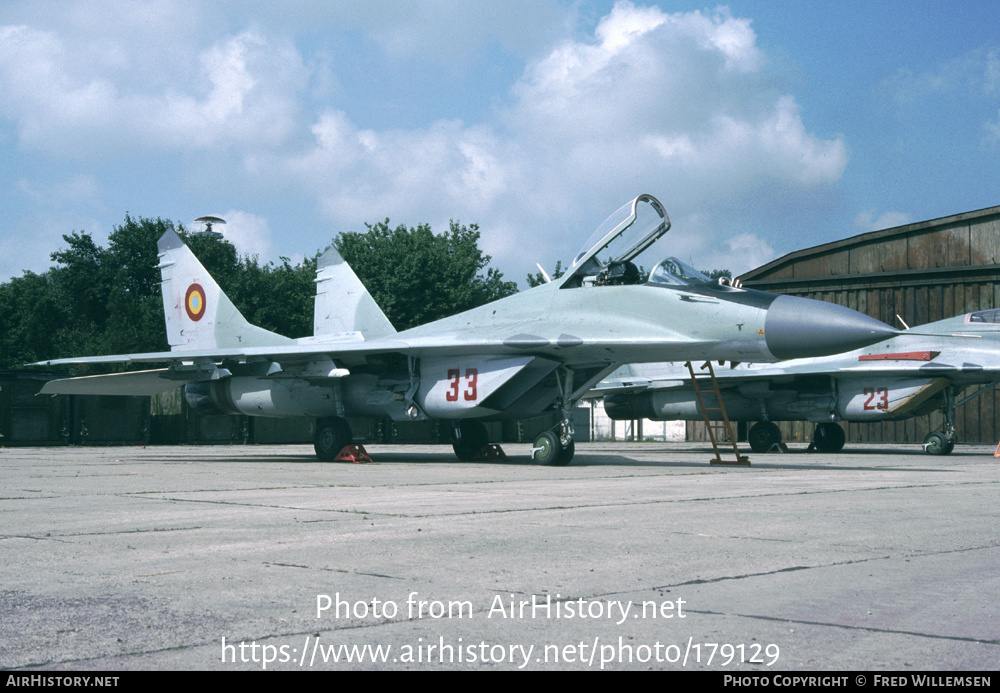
763,436
468,438
828,437
332,435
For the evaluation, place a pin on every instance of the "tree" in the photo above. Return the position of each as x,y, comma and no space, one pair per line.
110,297
31,319
417,276
279,298
716,273
134,302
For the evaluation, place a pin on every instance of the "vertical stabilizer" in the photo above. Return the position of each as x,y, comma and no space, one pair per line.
198,314
343,304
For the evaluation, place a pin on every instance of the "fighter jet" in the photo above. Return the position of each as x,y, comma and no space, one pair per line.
537,351
914,373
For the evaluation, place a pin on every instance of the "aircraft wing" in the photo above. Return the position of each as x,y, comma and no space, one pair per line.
458,343
136,383
788,372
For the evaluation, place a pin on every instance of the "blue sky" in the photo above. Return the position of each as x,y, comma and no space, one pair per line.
763,126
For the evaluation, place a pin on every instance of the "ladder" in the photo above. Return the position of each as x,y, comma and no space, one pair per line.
714,427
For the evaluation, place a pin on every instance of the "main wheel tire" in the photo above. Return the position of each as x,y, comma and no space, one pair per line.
763,435
829,437
332,436
937,443
468,439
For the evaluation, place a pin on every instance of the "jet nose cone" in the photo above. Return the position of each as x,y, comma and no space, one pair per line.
799,327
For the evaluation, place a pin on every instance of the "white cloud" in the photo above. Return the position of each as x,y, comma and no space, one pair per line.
699,244
674,104
992,130
454,33
249,233
243,93
976,71
77,191
679,105
866,220
970,83
402,173
745,252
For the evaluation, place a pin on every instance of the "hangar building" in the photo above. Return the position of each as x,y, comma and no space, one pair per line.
921,272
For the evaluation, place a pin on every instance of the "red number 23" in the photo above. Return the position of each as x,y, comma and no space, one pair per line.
878,398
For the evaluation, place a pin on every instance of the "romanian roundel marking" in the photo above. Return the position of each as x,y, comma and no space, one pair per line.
194,302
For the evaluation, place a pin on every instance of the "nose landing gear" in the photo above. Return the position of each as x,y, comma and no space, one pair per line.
550,449
943,442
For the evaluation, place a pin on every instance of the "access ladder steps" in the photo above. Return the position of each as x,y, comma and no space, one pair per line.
714,427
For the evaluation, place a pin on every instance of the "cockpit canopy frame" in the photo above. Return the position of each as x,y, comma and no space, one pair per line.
620,238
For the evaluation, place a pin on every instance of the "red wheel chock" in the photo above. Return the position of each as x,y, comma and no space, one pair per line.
491,451
353,453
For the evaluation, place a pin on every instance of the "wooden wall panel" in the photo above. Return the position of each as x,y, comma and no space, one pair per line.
887,256
984,242
946,246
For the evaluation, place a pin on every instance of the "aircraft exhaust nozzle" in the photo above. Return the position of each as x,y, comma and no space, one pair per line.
798,327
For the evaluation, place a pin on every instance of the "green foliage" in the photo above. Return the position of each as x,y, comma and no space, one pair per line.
30,316
417,276
94,301
278,298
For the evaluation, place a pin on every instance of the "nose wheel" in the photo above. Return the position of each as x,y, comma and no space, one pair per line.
938,443
556,447
943,442
549,449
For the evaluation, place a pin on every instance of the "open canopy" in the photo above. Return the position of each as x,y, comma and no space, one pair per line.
622,236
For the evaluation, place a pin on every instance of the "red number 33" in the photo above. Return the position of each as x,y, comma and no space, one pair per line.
455,385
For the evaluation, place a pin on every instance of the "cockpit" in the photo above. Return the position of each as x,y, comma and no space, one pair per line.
607,258
673,272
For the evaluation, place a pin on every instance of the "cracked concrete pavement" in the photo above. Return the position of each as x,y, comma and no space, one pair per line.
636,556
